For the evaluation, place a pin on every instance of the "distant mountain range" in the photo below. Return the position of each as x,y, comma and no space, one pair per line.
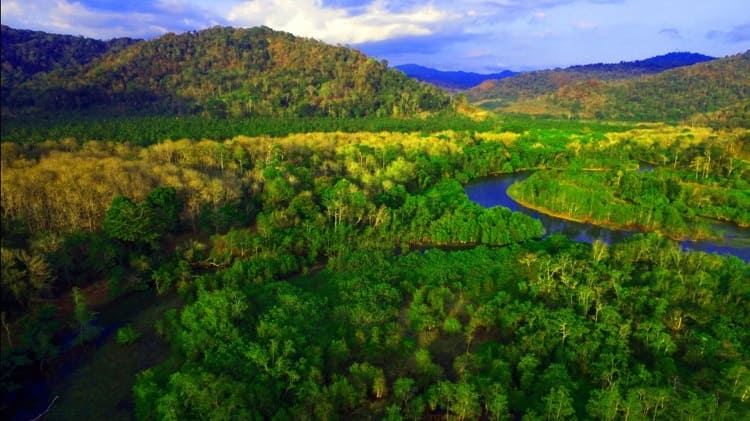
532,84
215,72
451,80
677,94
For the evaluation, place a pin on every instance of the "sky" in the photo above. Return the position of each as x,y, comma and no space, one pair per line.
471,35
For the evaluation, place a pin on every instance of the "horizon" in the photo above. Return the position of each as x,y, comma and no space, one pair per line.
473,36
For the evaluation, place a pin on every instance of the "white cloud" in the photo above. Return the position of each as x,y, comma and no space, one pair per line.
77,18
11,8
585,25
311,18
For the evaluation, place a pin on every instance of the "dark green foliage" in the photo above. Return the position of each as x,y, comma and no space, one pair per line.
129,222
34,348
149,130
546,332
165,208
26,277
27,53
143,223
126,335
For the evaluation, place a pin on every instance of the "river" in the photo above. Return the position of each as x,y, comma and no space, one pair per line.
96,381
492,191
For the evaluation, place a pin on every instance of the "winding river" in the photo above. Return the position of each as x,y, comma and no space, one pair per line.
492,191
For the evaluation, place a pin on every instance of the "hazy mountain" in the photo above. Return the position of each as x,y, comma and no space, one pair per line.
448,79
226,71
532,84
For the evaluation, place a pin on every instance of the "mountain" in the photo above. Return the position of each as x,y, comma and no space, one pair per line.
26,53
668,96
532,84
229,72
647,66
672,95
735,115
450,80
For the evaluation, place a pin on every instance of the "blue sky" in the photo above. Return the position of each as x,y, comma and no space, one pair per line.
473,35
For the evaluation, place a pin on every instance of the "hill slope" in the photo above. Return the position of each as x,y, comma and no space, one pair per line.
532,84
672,95
450,80
26,53
231,72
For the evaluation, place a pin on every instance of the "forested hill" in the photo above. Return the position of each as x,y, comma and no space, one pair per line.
26,53
669,96
230,72
448,79
531,84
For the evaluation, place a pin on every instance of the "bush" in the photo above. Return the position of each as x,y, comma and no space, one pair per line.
451,326
127,335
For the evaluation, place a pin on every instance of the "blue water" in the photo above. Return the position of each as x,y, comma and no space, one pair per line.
493,192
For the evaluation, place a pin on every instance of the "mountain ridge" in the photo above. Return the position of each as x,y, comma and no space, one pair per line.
454,80
26,53
527,85
223,71
673,95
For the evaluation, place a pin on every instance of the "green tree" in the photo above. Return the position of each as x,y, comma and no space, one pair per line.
559,404
82,313
129,222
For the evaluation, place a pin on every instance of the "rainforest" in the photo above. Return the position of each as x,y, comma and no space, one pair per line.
220,247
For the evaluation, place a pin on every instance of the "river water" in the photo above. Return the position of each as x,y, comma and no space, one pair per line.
492,191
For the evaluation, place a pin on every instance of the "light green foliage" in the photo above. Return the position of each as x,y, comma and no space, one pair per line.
559,404
672,200
451,326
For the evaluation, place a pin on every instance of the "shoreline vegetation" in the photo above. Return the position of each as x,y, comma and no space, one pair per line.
607,224
677,203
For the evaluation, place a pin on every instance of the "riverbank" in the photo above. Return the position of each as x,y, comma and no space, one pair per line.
692,236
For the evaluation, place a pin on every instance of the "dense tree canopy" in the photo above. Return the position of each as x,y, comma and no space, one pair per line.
340,275
671,95
26,53
223,72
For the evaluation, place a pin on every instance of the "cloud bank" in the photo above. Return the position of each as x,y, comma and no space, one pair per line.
312,18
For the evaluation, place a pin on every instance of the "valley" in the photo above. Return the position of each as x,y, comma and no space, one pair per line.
286,229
